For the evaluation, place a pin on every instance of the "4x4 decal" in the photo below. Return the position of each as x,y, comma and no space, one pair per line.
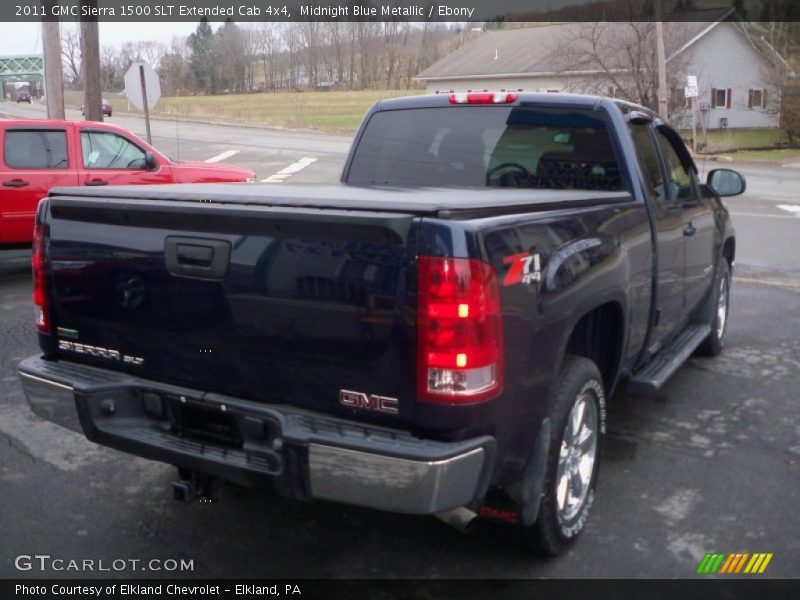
525,268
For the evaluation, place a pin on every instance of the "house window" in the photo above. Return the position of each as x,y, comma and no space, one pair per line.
757,99
721,97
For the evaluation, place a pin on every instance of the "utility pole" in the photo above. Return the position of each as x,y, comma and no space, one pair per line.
90,65
663,106
53,70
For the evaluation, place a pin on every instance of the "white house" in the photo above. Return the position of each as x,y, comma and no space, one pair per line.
735,69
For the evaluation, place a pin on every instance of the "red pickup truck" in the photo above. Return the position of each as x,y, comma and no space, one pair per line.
36,156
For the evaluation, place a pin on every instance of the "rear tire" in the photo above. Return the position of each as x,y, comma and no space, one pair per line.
578,425
715,342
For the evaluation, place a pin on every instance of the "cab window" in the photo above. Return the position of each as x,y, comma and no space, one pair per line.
35,149
107,150
679,181
648,156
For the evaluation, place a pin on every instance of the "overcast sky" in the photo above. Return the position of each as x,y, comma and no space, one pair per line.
24,38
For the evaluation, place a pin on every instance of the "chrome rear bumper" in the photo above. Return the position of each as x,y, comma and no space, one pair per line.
305,454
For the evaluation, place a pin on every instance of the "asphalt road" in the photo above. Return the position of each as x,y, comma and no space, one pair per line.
710,464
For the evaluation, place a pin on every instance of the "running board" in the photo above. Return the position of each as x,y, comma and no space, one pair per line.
655,374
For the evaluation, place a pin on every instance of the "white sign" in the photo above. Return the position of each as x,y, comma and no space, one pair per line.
691,81
690,92
133,85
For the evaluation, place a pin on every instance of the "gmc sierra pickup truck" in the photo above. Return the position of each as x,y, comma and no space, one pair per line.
438,335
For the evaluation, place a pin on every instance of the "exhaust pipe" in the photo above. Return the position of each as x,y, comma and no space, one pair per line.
460,518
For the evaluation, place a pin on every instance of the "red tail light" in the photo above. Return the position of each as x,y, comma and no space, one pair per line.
484,98
459,331
40,281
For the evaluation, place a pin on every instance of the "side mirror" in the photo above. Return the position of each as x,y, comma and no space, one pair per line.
150,162
726,182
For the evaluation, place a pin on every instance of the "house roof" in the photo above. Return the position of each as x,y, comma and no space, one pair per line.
562,48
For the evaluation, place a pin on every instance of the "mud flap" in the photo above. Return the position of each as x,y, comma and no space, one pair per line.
527,492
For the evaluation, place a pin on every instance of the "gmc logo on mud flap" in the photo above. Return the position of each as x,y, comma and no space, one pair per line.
372,402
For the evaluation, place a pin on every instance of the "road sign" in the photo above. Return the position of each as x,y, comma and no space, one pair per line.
133,85
691,81
690,92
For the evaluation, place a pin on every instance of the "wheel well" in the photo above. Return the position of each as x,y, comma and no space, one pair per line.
598,336
729,250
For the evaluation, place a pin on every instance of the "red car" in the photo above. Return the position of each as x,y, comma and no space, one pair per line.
36,155
105,106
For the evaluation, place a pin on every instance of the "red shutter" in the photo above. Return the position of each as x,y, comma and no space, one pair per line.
763,98
749,98
611,91
713,97
728,98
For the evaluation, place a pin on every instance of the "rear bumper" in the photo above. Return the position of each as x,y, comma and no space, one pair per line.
305,455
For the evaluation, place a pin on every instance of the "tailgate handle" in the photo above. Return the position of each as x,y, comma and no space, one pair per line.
197,257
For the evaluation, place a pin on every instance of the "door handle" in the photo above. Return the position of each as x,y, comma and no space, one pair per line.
96,182
689,230
16,183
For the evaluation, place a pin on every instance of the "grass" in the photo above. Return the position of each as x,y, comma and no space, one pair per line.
328,111
728,140
766,155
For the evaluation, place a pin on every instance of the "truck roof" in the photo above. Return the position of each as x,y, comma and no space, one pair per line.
583,100
441,202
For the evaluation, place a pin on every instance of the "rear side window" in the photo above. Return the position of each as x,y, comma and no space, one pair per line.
487,146
648,156
35,149
106,150
680,182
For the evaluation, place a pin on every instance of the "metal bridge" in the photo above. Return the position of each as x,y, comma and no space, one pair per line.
21,68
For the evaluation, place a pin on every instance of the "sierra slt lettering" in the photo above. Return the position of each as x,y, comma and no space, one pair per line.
99,352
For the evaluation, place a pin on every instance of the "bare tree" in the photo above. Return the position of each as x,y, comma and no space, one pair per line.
109,67
71,52
599,57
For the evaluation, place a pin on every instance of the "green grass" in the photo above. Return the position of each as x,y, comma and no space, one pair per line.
766,155
726,140
328,111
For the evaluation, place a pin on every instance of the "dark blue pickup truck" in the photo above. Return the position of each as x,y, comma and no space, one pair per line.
438,335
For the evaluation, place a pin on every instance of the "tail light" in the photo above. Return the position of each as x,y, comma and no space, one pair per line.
484,98
459,331
40,281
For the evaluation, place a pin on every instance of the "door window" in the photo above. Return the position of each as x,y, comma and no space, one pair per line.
106,150
679,181
35,149
649,159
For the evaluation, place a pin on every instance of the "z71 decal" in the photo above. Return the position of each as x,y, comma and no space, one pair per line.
525,268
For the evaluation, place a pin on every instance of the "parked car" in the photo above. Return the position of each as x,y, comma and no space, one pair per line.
438,336
36,155
23,96
105,106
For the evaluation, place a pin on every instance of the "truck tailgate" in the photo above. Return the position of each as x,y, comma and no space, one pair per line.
276,304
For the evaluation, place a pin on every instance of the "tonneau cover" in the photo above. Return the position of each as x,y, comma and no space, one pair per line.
442,202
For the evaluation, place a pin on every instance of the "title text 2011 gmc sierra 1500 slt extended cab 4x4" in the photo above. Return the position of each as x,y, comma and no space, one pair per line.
439,335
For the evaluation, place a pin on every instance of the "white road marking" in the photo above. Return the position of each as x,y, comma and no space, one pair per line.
222,156
781,283
287,172
792,208
761,215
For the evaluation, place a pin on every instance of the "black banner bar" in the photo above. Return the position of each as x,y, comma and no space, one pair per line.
314,589
391,10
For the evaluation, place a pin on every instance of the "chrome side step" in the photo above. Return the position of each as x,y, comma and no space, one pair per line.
655,373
